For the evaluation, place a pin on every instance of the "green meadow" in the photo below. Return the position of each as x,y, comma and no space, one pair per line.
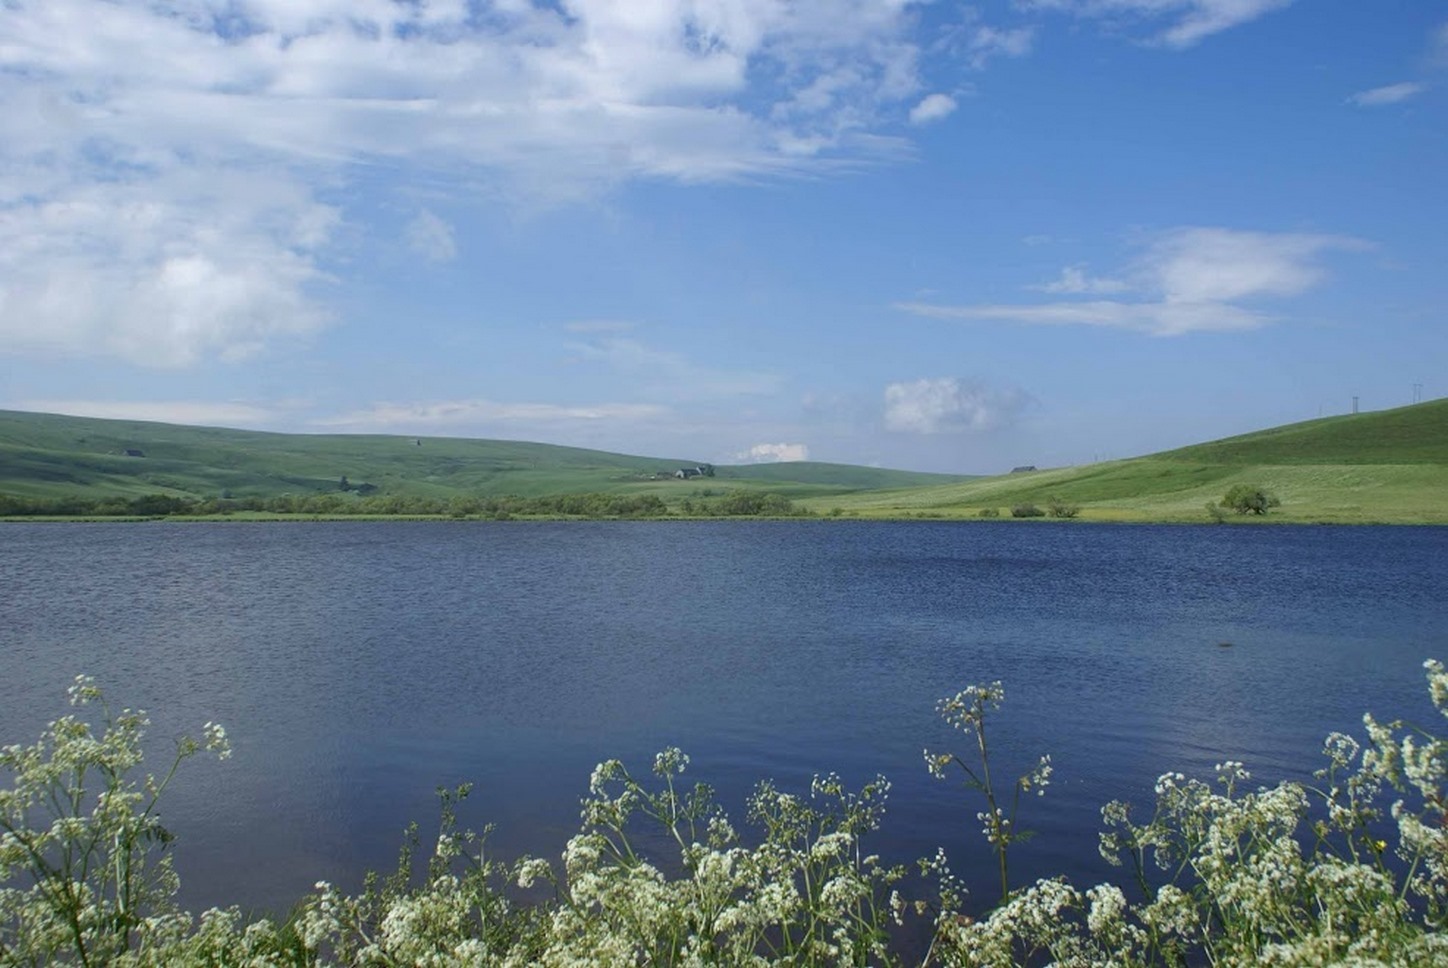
1384,467
1387,467
49,456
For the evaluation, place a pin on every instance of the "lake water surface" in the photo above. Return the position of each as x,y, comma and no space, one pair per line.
358,666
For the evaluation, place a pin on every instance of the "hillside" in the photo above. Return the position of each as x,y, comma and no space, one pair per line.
49,455
1389,466
1407,435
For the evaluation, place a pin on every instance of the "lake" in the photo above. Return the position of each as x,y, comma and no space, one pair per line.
358,666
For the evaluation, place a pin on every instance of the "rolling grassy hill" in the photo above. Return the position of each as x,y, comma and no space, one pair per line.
49,455
1389,466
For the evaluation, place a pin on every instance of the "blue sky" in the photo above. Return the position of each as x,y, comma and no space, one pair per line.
939,236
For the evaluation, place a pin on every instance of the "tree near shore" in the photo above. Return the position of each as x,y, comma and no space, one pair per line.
1249,499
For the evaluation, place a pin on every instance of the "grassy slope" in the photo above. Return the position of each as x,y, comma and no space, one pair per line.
1390,466
44,455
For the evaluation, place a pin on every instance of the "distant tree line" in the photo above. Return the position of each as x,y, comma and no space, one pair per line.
730,504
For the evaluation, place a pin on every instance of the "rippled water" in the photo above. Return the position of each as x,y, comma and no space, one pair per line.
358,666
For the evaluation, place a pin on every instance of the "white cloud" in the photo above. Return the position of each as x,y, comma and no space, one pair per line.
773,453
146,145
1387,94
1179,23
932,107
949,405
1074,280
1187,280
431,237
165,273
989,42
193,412
1157,319
1204,265
478,413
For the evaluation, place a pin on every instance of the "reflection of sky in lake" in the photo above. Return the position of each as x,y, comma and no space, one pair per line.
358,666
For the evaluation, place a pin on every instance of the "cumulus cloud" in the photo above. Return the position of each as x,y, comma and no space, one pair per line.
949,405
431,237
1178,23
1387,94
773,453
1186,280
141,208
932,107
164,274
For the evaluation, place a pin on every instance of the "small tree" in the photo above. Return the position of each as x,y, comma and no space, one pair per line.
1249,499
1027,510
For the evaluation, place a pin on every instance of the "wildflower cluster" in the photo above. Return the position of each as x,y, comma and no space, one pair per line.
1293,874
1221,873
967,711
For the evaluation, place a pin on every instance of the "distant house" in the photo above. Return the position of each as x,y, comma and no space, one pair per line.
132,452
1023,469
703,470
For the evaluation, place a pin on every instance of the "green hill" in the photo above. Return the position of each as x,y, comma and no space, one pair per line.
51,456
1407,435
1389,466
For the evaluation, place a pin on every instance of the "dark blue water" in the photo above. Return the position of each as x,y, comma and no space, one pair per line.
358,666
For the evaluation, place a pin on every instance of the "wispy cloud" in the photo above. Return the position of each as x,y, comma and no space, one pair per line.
1186,280
168,208
1177,23
1438,46
478,414
1387,94
665,373
431,237
1074,281
945,405
987,43
599,326
773,453
194,412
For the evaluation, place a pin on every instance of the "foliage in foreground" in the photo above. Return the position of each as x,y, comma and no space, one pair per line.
1219,874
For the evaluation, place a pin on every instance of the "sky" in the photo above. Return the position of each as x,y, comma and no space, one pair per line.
942,236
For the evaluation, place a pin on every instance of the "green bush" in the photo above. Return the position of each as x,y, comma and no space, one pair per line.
1061,509
988,513
1249,499
1027,510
